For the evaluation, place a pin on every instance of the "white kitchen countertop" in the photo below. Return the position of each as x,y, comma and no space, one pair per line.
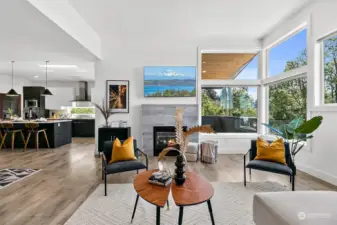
32,121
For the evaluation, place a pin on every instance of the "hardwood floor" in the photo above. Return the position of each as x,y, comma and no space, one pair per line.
71,173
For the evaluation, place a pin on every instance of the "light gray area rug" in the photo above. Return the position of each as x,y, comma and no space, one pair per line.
231,203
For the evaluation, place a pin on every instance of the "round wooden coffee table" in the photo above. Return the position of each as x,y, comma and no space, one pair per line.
196,190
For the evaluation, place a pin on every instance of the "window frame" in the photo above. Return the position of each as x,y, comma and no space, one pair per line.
267,80
322,104
228,83
294,77
284,38
262,82
283,78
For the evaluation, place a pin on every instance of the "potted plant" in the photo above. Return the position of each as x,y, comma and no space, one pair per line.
106,113
296,133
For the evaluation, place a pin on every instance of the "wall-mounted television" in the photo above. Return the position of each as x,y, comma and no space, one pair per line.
169,81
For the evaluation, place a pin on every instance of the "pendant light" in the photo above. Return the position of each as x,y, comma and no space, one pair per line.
46,91
12,92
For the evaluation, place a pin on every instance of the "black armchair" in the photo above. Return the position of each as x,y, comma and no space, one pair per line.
121,166
273,167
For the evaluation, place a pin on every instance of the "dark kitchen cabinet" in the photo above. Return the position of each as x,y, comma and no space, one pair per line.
34,93
9,102
62,133
83,128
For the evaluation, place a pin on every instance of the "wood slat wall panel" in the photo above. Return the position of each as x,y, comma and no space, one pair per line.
219,66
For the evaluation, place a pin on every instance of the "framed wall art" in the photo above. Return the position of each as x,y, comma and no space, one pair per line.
118,95
169,81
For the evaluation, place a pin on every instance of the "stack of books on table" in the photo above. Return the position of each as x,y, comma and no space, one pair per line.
160,178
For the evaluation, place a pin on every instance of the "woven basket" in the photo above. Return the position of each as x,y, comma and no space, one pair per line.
209,151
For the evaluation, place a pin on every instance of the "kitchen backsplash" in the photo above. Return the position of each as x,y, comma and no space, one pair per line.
82,111
74,112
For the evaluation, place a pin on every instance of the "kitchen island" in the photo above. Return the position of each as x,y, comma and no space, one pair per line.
58,132
82,127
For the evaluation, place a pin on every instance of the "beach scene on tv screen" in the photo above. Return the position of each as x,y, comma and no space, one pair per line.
169,81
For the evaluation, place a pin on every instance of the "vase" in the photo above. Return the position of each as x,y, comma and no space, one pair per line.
106,125
179,176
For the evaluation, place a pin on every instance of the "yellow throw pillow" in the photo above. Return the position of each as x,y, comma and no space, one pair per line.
123,152
274,151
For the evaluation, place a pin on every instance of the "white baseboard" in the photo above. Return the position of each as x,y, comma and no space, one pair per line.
317,173
231,151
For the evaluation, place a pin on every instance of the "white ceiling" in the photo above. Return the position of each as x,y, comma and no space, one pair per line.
29,37
156,19
31,70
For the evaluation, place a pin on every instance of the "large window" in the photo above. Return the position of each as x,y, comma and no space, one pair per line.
249,72
330,70
230,104
288,55
230,109
287,101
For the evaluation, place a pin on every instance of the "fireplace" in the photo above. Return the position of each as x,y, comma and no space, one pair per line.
164,136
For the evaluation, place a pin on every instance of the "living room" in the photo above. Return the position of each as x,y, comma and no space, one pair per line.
242,72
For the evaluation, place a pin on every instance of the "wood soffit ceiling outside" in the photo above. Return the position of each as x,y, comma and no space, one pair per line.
219,66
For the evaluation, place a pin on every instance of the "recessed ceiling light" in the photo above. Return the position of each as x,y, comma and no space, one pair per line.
36,76
204,71
59,66
203,61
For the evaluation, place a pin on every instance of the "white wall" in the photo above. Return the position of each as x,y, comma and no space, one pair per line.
63,92
319,159
125,57
68,19
62,96
19,82
230,143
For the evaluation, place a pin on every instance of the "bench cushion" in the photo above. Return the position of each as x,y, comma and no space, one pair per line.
270,167
191,157
192,148
295,208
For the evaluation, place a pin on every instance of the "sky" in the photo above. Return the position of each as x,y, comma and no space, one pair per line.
169,72
250,71
288,50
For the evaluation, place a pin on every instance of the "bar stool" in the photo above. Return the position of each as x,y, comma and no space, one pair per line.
8,128
2,131
34,128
